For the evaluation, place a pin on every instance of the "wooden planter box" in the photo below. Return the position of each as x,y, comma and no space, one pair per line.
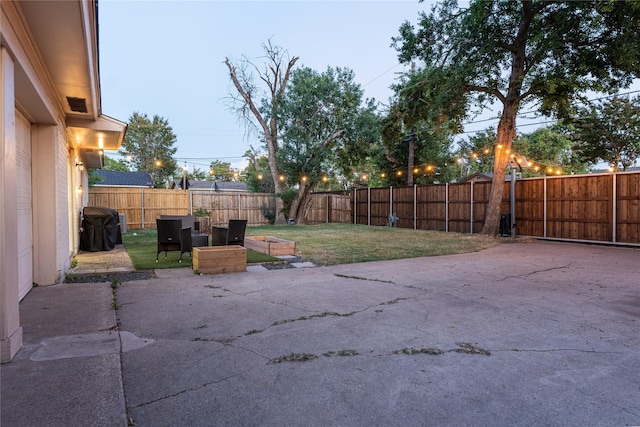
220,259
270,245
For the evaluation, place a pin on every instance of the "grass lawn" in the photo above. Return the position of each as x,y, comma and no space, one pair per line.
142,247
329,244
325,244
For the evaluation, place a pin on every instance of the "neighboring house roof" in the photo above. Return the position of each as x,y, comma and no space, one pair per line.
123,179
631,169
211,185
484,177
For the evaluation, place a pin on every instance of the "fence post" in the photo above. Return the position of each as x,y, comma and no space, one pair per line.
415,206
390,200
369,206
614,196
544,208
327,207
190,202
512,202
471,211
446,207
355,205
142,206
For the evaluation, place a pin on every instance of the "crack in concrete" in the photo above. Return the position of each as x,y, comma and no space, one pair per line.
552,350
198,387
345,276
531,273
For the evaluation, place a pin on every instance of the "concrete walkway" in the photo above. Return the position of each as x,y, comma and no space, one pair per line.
518,334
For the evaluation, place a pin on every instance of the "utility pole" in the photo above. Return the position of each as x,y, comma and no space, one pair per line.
412,139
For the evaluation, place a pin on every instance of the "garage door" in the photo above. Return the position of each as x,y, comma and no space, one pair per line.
24,205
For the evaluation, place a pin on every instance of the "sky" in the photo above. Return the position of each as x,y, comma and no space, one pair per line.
166,58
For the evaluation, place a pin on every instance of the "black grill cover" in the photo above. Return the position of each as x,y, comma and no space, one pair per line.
100,229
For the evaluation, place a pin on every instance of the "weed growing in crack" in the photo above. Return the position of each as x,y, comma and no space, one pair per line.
294,357
469,348
114,291
314,316
345,276
464,347
254,331
410,350
340,353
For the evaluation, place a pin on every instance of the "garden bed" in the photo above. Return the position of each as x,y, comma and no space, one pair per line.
270,245
220,259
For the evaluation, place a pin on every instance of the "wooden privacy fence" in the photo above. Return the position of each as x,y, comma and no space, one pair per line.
592,208
143,205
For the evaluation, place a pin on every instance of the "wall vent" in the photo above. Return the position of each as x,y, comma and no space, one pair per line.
79,105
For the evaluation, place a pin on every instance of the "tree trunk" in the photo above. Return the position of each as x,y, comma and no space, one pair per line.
294,210
506,135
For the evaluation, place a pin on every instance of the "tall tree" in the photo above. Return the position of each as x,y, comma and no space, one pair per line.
609,130
518,52
323,125
149,143
257,108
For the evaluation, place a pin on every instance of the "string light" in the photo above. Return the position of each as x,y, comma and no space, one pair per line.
426,168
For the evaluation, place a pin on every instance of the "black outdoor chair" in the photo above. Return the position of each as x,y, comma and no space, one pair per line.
235,234
231,235
173,237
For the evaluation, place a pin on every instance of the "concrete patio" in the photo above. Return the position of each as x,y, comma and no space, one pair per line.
541,333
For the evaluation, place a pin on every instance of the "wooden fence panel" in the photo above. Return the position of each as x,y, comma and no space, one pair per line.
628,208
460,208
340,207
530,207
481,192
329,207
403,206
580,207
225,206
577,207
318,210
127,201
431,208
168,202
379,204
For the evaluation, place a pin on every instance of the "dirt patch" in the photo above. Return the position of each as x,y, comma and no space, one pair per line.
109,277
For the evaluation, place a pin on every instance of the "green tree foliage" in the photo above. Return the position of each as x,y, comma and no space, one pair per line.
413,150
309,121
477,151
323,125
221,171
150,145
115,165
257,176
550,147
516,53
199,175
609,130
